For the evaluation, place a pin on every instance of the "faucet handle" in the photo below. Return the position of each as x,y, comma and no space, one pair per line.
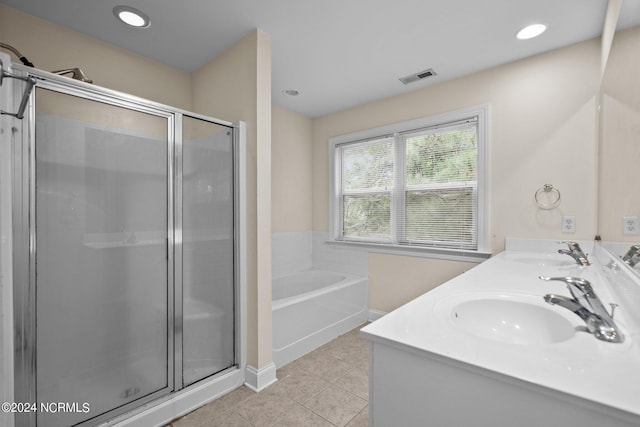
579,283
613,308
631,253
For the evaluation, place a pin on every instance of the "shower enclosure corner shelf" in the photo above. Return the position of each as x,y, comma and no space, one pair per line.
125,251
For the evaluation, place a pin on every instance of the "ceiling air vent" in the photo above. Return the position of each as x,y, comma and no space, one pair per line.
418,76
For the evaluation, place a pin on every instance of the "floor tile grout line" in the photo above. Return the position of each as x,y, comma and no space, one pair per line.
346,391
308,409
344,348
241,417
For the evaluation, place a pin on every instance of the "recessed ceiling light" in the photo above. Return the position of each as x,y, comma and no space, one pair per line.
131,16
291,92
531,31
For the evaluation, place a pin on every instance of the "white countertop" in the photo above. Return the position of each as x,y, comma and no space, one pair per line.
581,366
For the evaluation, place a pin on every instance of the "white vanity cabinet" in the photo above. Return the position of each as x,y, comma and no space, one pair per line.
427,369
409,388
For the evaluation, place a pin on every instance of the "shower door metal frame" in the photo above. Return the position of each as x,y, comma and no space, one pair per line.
25,242
25,317
237,131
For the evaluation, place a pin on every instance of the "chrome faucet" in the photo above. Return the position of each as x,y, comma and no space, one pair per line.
575,252
586,304
632,257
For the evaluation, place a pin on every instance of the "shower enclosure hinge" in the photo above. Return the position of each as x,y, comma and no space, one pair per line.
30,82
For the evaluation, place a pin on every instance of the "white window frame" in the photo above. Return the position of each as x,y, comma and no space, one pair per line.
483,251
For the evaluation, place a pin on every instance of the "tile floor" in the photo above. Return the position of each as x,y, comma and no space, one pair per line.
325,388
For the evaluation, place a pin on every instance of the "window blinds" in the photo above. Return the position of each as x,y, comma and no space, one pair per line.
412,188
367,183
440,186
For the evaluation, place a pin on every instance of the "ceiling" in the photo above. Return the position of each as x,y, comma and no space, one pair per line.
338,53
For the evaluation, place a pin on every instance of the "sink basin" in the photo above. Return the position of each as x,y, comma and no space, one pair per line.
512,321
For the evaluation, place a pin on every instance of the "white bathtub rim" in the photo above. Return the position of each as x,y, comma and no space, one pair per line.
349,279
303,282
314,270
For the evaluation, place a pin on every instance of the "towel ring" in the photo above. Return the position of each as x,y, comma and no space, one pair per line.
547,197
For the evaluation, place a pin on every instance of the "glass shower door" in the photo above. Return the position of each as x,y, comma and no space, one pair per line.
207,249
102,282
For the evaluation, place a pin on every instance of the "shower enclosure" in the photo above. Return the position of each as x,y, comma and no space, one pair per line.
125,259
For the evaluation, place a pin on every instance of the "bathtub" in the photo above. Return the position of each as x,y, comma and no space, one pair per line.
312,307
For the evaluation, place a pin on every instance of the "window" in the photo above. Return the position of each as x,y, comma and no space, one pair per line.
418,186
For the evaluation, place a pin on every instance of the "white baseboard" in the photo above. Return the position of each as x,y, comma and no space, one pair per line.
258,380
375,315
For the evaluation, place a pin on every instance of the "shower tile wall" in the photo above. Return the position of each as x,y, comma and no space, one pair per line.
338,258
291,252
301,250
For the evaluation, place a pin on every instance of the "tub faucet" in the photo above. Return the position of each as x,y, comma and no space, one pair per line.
575,252
585,303
632,257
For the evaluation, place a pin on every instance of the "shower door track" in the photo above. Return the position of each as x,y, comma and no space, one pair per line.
24,232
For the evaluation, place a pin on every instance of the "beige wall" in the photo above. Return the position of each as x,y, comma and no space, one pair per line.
236,85
620,143
542,130
292,165
395,280
53,47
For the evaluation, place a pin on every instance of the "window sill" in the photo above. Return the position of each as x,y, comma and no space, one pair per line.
416,251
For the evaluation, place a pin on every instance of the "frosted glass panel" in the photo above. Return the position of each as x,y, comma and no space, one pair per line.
101,255
208,272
